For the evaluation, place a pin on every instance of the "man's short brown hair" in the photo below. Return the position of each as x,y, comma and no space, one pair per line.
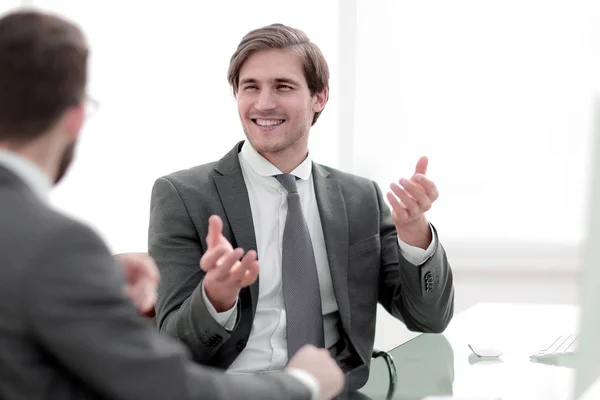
278,36
43,70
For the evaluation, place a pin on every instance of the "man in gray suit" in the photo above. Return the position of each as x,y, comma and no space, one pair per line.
329,247
67,327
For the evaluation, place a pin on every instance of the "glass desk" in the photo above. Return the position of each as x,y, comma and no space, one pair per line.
443,364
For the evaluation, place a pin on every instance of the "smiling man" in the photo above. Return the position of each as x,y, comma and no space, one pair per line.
329,247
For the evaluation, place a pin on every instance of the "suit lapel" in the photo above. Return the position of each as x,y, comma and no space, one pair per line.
334,220
234,197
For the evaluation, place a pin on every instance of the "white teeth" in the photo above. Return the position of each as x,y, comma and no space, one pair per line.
269,122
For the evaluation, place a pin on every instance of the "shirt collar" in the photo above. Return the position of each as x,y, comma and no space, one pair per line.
28,171
263,167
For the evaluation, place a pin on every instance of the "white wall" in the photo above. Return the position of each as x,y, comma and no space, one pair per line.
6,5
497,94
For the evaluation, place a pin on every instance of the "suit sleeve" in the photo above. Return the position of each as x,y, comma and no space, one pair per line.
174,243
79,314
421,296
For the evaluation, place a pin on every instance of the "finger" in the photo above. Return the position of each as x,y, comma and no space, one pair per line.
151,268
238,271
409,202
398,207
131,291
211,257
146,268
428,185
225,263
149,298
145,302
215,229
421,167
135,294
130,265
251,274
418,193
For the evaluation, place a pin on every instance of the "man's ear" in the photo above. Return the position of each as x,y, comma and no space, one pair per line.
320,99
73,120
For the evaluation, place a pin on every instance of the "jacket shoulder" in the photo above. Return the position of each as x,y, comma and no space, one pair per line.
197,174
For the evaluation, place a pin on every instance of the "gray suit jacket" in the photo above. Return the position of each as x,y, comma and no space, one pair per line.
68,330
362,249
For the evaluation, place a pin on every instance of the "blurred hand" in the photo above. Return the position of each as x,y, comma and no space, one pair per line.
142,278
226,271
322,367
410,199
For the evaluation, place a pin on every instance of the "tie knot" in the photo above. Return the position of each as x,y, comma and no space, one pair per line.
288,181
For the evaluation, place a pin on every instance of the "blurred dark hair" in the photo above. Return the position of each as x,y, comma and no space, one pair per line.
43,71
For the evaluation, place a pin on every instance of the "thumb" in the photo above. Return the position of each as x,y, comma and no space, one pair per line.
215,229
422,166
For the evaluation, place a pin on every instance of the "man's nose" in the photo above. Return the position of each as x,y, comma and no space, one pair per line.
266,100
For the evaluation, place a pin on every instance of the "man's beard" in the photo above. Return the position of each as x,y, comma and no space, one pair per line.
65,162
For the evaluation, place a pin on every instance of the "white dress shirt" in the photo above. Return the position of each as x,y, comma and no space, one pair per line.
29,172
266,348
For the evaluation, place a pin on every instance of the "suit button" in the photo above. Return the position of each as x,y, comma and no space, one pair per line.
241,345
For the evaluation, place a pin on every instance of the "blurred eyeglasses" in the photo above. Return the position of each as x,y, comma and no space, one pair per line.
91,106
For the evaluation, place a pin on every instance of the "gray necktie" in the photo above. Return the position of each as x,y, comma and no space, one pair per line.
300,281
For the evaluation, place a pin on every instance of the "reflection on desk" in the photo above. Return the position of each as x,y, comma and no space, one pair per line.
565,360
425,366
443,365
